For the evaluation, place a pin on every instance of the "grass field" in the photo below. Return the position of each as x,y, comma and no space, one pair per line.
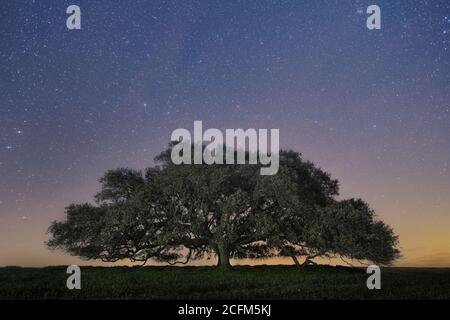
243,282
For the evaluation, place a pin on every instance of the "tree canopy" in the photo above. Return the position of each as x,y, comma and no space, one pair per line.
178,213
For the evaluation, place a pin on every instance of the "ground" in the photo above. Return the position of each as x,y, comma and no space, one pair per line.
243,282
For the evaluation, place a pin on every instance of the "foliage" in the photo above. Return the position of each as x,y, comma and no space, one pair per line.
177,213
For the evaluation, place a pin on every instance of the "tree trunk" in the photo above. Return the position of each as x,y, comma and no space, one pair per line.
223,256
309,261
297,263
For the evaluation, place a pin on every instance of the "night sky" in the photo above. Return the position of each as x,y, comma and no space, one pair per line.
370,107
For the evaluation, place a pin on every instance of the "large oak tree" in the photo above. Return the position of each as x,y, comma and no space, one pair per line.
177,213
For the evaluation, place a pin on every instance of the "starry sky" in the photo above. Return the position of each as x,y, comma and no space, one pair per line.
370,107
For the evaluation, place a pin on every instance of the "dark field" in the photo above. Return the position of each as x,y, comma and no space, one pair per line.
244,282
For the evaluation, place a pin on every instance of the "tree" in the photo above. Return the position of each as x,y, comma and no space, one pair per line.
349,229
233,211
177,213
119,185
345,229
125,224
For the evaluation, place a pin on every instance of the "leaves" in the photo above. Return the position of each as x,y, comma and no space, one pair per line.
177,213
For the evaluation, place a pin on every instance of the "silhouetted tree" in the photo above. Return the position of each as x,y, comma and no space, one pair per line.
177,213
